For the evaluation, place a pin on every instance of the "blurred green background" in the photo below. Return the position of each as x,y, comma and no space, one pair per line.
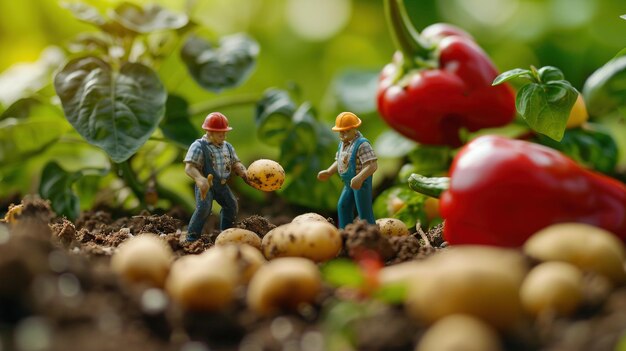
312,47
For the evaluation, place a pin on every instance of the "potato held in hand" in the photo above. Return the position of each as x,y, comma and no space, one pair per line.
266,175
143,258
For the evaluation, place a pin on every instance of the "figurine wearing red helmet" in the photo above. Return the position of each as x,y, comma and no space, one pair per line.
210,161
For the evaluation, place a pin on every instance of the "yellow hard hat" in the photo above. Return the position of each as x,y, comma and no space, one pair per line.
346,121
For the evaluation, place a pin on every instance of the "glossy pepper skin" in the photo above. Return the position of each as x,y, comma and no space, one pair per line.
502,191
439,82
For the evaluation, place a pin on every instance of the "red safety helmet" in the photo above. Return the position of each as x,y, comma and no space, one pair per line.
216,122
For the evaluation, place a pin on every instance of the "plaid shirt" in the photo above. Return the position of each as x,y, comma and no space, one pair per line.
222,161
364,154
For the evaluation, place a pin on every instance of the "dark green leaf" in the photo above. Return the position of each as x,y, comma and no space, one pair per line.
546,107
117,111
218,67
590,146
605,89
273,116
512,74
392,144
176,124
20,109
85,13
56,186
20,139
147,19
342,272
549,73
356,90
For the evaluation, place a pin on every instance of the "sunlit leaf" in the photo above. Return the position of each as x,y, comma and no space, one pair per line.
605,90
85,13
114,110
549,73
21,138
401,202
90,43
147,19
512,74
226,65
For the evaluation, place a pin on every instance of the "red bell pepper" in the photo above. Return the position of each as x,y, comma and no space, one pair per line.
439,82
501,191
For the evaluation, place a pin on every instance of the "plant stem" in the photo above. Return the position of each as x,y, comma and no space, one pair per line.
404,35
125,171
229,101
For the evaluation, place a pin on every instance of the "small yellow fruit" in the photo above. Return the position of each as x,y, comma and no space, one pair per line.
579,114
266,175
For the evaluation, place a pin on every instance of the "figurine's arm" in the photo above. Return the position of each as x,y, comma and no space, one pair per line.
194,173
241,170
368,169
325,174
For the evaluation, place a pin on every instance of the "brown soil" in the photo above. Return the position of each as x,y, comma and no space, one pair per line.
57,292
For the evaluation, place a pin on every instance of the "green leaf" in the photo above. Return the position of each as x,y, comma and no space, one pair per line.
356,90
90,43
223,66
590,146
342,272
147,19
546,107
605,90
85,13
549,73
402,203
391,293
430,160
512,74
20,139
176,125
273,116
56,186
114,110
20,108
392,144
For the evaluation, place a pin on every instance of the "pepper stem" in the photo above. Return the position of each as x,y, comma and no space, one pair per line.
404,34
431,186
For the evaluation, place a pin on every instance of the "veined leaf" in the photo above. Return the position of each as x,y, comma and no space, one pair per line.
223,66
512,74
273,116
176,125
147,19
114,110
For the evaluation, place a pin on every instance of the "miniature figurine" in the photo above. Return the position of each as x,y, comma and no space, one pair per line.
209,162
355,162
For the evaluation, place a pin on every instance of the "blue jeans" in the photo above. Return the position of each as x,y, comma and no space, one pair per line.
351,200
220,193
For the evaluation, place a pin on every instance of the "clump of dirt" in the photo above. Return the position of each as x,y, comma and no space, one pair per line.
384,327
435,236
65,231
361,236
257,224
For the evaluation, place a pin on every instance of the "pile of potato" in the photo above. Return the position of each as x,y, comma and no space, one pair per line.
467,295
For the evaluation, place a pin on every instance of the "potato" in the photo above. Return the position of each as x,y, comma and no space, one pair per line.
475,280
460,332
244,258
203,283
402,273
284,284
143,258
587,247
310,216
552,286
318,241
239,236
266,175
392,227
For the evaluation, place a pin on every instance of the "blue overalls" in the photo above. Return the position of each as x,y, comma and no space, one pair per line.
218,192
350,198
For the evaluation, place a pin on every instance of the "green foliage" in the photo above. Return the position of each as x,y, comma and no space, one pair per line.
224,66
342,272
56,185
22,138
306,147
147,19
114,110
402,203
605,90
546,102
176,125
591,146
